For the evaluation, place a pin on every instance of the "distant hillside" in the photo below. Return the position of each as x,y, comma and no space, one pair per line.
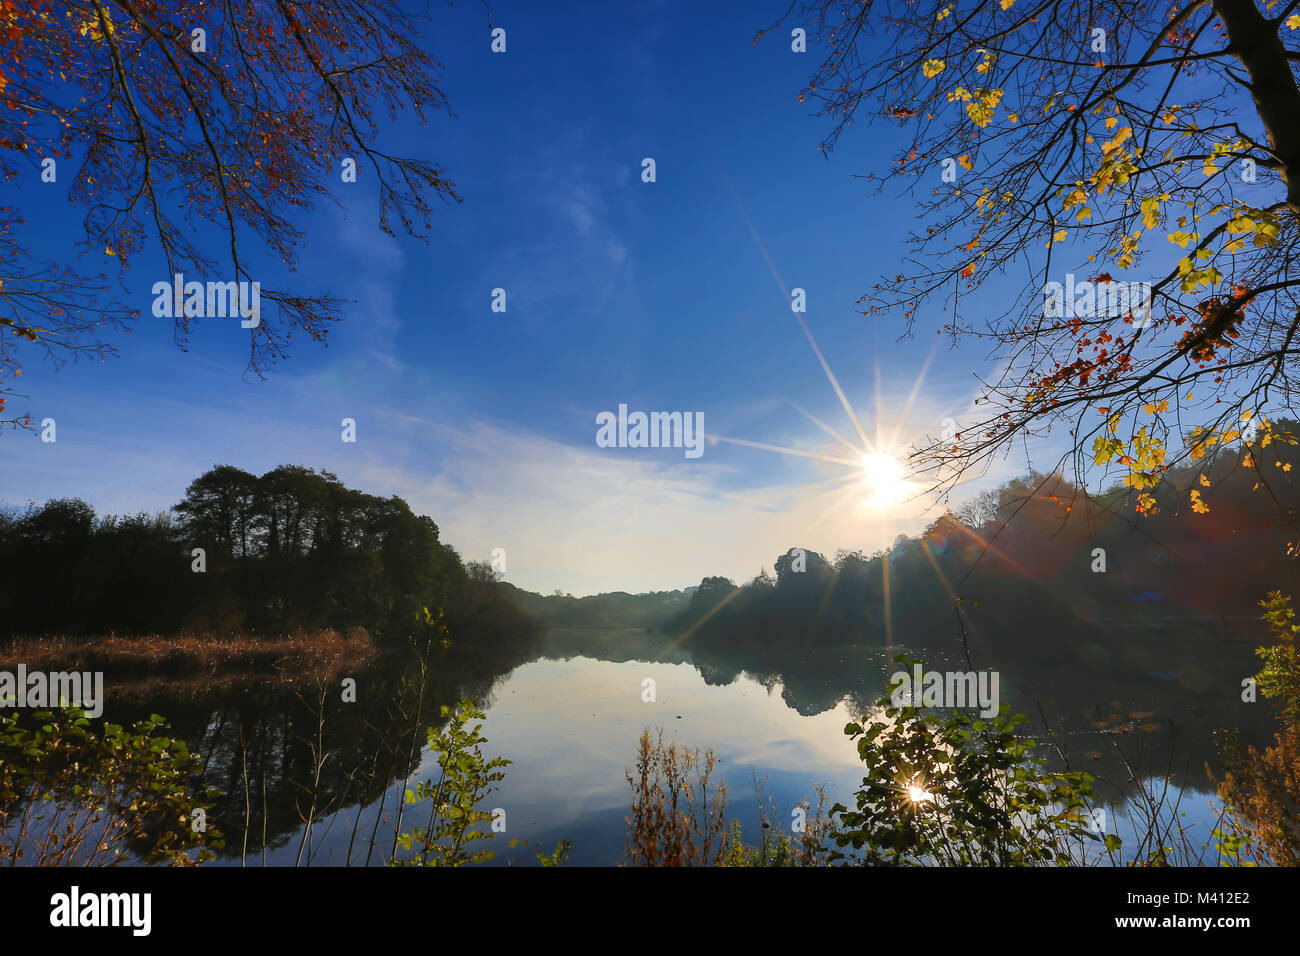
615,609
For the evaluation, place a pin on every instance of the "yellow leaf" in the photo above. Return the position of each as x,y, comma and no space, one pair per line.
932,68
1151,212
1118,141
981,106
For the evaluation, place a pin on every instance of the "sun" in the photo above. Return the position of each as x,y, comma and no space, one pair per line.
883,477
881,469
875,476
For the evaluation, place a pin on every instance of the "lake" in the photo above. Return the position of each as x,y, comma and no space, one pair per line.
570,715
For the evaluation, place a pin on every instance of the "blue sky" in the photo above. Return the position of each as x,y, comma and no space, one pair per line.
667,296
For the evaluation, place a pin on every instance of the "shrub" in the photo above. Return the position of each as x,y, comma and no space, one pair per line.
943,789
77,793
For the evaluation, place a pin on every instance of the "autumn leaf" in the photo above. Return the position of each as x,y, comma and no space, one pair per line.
1118,141
1151,210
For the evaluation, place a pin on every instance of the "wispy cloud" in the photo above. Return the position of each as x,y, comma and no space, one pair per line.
590,519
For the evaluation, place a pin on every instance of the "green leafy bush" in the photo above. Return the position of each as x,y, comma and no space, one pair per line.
945,789
79,793
467,777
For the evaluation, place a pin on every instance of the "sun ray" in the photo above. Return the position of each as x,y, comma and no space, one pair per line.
785,451
911,398
696,626
827,429
835,505
878,405
883,491
830,377
990,548
826,597
947,586
824,484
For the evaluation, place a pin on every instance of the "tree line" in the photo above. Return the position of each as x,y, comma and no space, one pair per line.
293,549
1033,553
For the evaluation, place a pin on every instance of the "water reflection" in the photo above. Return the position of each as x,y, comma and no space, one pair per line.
569,709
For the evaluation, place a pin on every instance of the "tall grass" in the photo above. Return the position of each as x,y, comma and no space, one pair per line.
678,814
307,656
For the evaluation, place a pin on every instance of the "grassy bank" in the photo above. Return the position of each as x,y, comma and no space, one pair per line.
320,654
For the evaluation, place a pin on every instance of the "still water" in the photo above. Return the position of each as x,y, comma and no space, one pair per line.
569,720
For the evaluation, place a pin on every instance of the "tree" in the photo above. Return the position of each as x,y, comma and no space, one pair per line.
980,510
181,120
482,571
220,507
1127,138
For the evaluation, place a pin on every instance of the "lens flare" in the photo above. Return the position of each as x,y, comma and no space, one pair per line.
919,795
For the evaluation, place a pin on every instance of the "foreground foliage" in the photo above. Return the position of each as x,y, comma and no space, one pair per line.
946,789
1263,786
79,793
466,778
679,816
